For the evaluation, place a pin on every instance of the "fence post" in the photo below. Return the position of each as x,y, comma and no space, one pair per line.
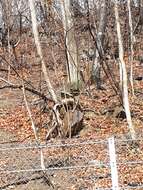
42,160
113,164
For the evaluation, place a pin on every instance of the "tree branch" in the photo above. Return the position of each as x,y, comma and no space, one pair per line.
15,86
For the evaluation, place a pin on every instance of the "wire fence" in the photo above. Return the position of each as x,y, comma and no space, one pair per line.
73,164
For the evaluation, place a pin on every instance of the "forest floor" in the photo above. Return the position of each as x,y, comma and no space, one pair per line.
102,119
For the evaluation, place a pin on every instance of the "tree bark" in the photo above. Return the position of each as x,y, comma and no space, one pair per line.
131,45
71,46
124,74
39,50
96,69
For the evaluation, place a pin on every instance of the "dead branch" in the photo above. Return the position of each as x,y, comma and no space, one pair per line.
41,95
27,180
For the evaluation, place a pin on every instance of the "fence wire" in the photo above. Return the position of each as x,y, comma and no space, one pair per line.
72,164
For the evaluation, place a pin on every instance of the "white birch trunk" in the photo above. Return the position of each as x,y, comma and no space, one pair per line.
124,75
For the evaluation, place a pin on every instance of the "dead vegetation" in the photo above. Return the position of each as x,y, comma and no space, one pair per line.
75,114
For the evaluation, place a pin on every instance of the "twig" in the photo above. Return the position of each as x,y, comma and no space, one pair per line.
16,86
25,181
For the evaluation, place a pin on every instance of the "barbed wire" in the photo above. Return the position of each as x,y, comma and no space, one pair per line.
77,167
76,163
121,188
131,187
52,145
130,163
65,144
55,168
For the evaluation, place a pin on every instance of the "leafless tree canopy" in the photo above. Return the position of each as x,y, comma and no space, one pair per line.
74,46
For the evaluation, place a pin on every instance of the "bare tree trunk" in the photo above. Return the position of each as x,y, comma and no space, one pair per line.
124,75
39,51
9,54
45,11
71,46
6,18
30,114
136,3
131,45
96,70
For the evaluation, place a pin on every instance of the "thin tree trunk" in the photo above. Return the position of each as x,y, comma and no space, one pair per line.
39,50
9,54
131,45
96,70
6,18
124,74
30,114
